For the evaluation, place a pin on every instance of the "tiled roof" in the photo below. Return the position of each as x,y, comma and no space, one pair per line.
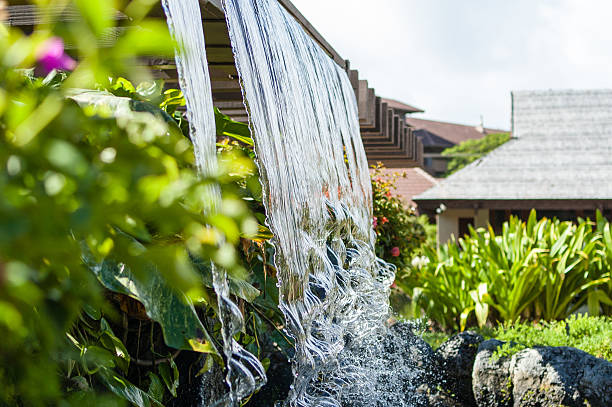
410,182
452,132
561,150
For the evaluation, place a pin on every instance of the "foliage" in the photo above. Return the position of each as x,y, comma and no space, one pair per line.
105,243
471,150
533,270
588,333
399,232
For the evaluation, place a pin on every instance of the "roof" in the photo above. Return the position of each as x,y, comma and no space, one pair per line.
410,182
429,139
561,150
452,132
401,107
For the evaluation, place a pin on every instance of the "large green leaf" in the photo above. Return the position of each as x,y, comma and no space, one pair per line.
181,326
126,390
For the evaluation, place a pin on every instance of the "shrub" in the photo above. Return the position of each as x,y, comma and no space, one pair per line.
590,334
105,246
533,270
471,150
399,232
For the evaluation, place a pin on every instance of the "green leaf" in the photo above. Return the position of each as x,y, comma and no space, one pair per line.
170,374
594,300
126,390
156,387
95,358
97,14
172,310
243,289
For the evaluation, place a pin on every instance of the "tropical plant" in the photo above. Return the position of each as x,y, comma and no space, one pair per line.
471,150
105,246
534,270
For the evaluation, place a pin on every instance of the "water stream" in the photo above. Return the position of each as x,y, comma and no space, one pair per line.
317,193
333,290
245,374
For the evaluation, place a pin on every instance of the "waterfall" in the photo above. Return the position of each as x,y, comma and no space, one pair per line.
245,374
317,193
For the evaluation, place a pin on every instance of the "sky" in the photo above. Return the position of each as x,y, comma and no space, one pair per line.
459,59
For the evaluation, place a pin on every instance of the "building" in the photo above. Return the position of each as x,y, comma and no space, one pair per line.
558,162
438,136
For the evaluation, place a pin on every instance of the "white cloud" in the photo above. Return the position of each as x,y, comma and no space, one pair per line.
461,59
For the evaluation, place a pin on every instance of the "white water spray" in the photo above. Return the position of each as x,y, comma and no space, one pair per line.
245,374
303,115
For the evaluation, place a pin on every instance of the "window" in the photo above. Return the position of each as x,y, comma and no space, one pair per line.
464,226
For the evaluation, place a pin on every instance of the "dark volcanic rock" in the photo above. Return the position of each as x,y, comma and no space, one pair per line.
280,378
196,390
415,352
554,376
400,363
491,381
457,357
438,397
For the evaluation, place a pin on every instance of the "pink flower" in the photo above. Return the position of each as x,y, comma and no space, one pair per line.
51,56
395,252
375,222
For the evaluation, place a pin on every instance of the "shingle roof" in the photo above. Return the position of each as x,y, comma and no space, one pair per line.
452,132
562,149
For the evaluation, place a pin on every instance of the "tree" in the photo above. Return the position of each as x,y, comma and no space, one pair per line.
471,150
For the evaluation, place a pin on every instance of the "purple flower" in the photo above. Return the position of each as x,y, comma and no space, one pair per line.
52,56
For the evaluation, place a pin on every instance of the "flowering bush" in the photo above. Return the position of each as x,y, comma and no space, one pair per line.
400,233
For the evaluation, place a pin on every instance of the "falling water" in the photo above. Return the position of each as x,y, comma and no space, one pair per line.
245,374
333,290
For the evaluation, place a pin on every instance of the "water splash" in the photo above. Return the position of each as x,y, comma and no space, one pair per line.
245,374
303,114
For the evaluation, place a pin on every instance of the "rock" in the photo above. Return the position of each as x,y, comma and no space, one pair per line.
553,376
437,397
415,353
196,390
280,378
397,366
491,382
457,357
